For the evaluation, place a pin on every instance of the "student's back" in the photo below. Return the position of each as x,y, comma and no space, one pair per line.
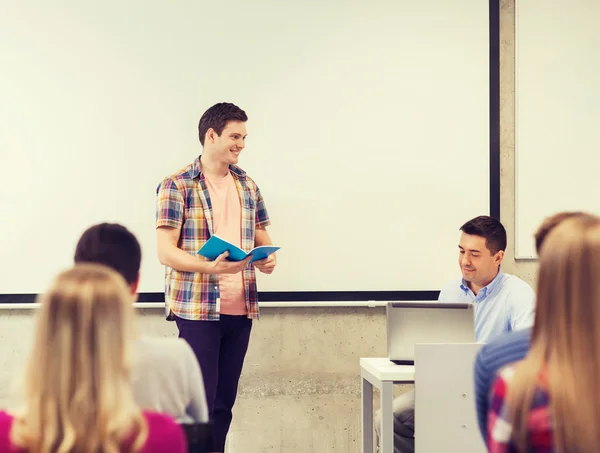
549,401
77,390
164,435
166,378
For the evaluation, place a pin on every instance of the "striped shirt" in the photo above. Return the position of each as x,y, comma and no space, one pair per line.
539,419
183,202
492,357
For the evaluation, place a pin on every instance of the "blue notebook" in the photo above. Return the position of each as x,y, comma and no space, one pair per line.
216,245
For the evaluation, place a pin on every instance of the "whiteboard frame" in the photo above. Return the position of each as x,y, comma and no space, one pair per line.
364,298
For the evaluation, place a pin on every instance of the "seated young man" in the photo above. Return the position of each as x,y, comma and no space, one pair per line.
166,376
511,347
503,303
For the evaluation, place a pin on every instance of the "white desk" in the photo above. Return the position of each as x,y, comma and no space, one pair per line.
383,374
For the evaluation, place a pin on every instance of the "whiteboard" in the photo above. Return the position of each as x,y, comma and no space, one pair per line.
368,129
557,113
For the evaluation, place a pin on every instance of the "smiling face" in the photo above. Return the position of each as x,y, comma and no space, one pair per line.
479,266
226,148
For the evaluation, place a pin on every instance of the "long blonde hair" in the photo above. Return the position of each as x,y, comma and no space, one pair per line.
565,344
78,397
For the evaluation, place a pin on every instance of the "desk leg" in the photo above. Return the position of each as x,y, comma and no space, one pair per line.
387,425
367,416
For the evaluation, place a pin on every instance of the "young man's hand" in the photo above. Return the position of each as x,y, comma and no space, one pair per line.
221,266
267,265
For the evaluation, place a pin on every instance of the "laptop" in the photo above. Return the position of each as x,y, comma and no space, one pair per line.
410,323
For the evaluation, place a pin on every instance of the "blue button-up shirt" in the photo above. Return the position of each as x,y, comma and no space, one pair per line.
507,303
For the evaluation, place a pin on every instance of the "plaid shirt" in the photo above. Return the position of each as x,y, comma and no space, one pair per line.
183,202
539,423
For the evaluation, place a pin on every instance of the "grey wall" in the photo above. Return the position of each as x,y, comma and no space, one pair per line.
300,386
524,269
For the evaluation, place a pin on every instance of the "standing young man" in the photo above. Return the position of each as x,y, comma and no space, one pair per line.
214,302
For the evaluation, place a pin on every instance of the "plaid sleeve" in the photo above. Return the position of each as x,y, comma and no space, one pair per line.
169,205
262,217
499,428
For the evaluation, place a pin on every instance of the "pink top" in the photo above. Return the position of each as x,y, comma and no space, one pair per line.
227,219
164,435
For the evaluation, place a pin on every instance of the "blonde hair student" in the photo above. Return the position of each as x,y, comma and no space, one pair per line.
78,396
550,401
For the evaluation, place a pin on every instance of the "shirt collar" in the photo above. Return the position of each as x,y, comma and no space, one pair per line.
197,169
486,289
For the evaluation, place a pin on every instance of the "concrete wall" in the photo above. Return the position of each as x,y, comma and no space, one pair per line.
525,269
300,386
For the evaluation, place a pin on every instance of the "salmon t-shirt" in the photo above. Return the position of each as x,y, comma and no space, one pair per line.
227,219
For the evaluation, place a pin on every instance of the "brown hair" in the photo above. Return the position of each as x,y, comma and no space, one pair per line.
489,228
565,341
114,246
217,117
550,223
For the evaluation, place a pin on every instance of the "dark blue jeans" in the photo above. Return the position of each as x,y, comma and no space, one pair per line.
220,347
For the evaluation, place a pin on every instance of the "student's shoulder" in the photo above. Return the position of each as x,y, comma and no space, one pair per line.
6,421
167,353
159,419
508,339
506,348
181,177
166,346
455,283
518,291
239,173
451,288
5,417
514,282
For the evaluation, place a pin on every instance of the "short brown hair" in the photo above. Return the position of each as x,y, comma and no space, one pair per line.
114,246
217,117
564,341
488,228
